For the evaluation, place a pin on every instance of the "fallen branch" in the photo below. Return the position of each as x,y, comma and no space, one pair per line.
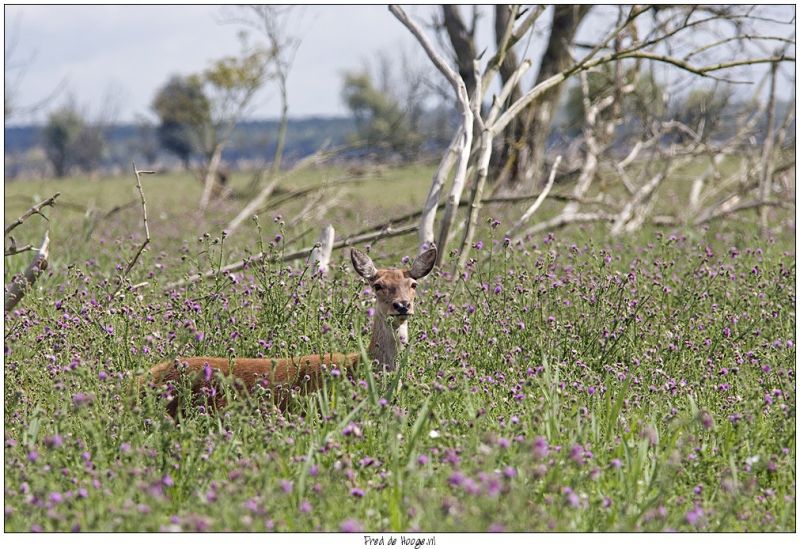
36,209
736,207
20,283
95,216
287,196
263,257
210,177
250,209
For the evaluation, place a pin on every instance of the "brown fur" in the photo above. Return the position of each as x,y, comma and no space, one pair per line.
282,376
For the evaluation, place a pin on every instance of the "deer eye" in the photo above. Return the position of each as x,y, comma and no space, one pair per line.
414,285
377,287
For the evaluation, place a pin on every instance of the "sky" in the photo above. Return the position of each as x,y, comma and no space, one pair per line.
129,51
114,58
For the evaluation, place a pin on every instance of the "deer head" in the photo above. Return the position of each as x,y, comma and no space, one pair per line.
394,289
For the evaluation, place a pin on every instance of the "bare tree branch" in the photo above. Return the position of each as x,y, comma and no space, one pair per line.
12,247
35,209
514,110
20,283
539,199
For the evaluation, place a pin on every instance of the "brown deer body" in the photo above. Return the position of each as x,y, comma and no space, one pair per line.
394,290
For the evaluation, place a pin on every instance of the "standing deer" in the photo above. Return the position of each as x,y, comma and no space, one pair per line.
394,289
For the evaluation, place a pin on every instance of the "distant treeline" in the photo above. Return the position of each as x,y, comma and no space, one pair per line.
252,142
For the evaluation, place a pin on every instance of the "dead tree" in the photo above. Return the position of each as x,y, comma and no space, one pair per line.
622,48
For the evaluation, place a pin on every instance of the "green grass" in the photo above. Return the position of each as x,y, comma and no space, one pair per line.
567,383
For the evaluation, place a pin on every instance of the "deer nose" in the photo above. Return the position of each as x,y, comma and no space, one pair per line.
401,307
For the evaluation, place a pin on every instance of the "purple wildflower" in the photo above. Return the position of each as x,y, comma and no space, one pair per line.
540,448
350,526
694,515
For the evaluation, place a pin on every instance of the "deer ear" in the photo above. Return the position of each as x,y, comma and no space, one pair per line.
363,264
423,264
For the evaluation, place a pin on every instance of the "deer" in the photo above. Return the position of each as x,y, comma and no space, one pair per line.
394,290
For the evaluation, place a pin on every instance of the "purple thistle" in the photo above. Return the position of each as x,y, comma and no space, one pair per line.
54,441
694,515
80,400
350,526
540,448
576,454
456,479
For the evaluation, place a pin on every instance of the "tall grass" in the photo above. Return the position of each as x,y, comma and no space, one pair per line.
563,383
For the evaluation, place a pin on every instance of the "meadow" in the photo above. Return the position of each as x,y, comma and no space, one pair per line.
563,382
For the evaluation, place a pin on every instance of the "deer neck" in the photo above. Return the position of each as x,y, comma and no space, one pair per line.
388,336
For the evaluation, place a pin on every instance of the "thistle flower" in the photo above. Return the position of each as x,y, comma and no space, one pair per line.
350,526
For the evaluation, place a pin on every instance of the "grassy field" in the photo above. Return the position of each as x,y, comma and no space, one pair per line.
567,382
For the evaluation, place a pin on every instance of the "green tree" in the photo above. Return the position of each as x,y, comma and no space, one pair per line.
380,121
64,126
199,112
184,112
70,141
703,109
89,147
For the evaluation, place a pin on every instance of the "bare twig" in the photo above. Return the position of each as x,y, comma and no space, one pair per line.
640,197
146,241
12,247
535,206
20,283
36,209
